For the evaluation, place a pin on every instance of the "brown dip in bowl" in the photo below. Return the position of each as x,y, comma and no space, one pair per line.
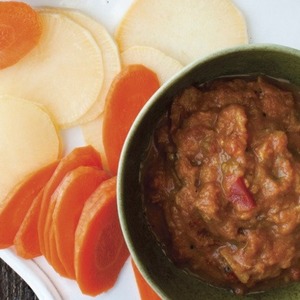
221,182
208,180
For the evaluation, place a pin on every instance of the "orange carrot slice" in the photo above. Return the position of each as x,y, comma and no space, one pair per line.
55,260
130,90
20,31
82,156
71,195
26,241
13,209
146,292
100,249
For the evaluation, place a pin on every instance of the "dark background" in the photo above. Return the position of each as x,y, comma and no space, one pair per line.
12,287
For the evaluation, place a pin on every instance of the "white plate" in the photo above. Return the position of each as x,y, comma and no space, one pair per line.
268,21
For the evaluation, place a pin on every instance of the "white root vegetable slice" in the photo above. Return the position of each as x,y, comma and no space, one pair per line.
184,30
163,65
92,134
29,140
64,72
110,56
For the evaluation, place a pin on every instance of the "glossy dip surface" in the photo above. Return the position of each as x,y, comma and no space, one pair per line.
221,182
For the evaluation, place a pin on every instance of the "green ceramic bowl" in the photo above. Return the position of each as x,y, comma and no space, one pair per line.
167,280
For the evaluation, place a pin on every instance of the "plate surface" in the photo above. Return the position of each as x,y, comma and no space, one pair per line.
268,21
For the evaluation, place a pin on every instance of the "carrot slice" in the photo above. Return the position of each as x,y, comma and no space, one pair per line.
71,195
146,292
15,206
130,90
82,156
55,260
26,241
20,31
100,249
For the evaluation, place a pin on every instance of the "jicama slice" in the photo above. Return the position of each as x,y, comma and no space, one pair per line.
29,140
64,71
110,56
184,30
164,66
100,249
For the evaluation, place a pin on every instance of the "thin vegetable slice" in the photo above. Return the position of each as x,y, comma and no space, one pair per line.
130,90
29,140
164,66
64,72
92,135
146,292
184,30
26,241
71,195
20,31
100,249
53,257
110,57
109,51
82,156
14,207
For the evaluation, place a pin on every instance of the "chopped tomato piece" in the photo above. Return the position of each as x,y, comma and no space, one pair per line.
240,195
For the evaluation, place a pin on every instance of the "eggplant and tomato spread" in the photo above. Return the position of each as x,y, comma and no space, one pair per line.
221,181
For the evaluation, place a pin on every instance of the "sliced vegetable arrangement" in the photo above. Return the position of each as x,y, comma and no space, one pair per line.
79,157
59,68
64,72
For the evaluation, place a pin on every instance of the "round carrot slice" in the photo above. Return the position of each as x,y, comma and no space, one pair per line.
130,90
26,241
71,195
55,260
100,249
20,31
